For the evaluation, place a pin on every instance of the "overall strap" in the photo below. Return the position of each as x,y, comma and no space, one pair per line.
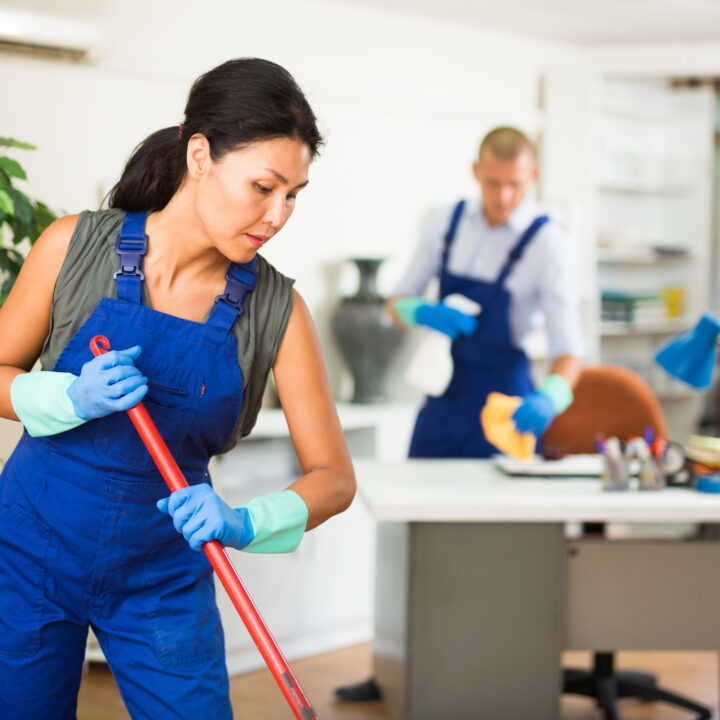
241,279
517,252
450,233
131,245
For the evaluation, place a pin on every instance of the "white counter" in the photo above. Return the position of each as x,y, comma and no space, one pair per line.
474,490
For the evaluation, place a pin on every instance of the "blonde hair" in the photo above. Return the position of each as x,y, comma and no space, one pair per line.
507,143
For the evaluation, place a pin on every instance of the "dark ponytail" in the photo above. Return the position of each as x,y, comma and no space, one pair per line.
235,104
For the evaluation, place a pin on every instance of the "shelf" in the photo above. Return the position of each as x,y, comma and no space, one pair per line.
679,394
654,112
640,256
639,188
618,329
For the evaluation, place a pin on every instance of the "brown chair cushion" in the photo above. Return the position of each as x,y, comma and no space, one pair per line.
609,399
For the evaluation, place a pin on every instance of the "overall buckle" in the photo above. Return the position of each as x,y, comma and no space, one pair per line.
131,252
240,281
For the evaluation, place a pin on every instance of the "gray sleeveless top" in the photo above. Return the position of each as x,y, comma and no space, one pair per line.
86,277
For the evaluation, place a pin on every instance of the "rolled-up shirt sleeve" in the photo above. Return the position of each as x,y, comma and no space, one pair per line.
426,260
559,296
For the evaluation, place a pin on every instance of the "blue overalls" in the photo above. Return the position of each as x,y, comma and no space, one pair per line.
81,541
486,361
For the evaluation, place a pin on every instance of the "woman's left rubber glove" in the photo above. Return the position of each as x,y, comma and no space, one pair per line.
49,403
538,409
273,523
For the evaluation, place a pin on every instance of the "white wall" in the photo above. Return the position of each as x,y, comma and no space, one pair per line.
403,102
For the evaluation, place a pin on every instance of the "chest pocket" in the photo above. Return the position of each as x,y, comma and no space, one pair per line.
172,401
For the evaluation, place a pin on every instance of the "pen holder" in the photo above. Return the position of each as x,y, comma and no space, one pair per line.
651,476
615,474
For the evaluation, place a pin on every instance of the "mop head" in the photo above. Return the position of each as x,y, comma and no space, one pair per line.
499,428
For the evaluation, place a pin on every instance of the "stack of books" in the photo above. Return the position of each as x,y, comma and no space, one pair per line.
633,308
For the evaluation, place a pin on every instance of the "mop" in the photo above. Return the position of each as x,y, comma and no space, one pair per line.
218,558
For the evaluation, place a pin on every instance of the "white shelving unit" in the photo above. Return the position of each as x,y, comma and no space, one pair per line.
653,153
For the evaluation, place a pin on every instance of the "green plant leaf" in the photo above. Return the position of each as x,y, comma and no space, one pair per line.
6,203
43,217
11,142
11,261
25,218
20,231
12,168
7,285
23,208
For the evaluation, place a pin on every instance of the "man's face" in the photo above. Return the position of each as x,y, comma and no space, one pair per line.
503,183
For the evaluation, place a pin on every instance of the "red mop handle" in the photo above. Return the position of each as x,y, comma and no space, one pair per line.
215,552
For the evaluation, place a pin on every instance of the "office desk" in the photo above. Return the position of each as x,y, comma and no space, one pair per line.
478,590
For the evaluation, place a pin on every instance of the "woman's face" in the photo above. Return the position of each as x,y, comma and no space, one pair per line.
246,197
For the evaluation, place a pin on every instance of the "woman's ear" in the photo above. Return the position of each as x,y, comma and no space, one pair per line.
198,155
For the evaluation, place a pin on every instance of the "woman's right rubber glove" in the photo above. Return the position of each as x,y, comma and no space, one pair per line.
48,403
108,383
438,316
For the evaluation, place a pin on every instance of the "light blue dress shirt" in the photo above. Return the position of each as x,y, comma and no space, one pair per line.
542,284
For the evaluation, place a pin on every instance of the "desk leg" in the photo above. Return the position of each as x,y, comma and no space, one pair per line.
469,620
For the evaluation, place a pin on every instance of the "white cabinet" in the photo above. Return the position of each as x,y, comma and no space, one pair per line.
321,596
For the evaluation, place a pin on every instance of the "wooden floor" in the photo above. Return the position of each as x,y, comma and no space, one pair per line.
256,696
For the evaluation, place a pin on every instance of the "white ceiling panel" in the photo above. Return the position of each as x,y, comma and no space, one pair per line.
578,21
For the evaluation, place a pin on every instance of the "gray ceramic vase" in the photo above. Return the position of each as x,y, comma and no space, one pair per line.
365,335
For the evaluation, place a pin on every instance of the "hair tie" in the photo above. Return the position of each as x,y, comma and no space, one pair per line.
180,129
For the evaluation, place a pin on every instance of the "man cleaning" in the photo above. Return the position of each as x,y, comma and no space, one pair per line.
503,253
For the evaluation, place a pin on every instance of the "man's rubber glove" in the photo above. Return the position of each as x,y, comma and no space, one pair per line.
538,409
440,317
273,523
49,403
108,383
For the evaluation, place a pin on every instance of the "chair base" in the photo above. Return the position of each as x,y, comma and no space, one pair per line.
607,686
367,691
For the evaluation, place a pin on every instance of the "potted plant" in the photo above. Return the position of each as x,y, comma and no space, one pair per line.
22,220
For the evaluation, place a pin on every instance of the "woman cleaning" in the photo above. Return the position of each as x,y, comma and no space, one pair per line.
171,275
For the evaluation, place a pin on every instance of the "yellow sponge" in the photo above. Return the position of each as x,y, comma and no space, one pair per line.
499,429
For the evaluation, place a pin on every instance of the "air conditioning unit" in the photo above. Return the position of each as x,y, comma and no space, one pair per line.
34,33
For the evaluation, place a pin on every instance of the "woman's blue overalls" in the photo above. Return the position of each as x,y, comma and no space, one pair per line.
81,541
486,361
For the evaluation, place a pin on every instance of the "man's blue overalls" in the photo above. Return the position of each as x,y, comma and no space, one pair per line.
81,541
486,361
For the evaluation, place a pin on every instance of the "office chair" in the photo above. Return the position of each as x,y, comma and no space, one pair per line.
617,402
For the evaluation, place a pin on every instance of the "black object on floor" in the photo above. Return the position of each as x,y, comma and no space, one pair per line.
607,686
360,692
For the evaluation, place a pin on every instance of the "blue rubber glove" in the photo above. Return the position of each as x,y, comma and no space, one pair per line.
538,409
108,383
201,515
534,414
440,317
